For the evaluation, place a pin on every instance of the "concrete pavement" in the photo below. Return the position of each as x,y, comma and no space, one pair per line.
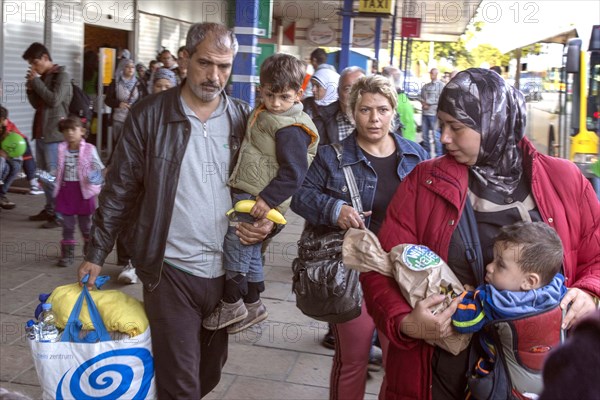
281,359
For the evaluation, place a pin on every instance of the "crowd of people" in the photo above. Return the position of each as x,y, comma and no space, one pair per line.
474,175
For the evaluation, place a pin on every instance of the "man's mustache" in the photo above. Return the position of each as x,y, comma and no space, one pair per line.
210,85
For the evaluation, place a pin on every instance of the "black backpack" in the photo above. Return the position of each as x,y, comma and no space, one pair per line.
81,104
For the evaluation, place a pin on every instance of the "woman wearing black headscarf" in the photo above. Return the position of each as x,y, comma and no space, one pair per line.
493,173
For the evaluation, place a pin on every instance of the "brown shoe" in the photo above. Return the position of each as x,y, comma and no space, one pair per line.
6,203
41,216
52,223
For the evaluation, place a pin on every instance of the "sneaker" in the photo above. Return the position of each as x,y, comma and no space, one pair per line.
41,216
52,223
6,203
128,275
375,359
225,314
257,312
34,189
21,175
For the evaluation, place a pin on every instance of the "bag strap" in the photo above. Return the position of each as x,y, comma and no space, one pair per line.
73,327
467,227
350,180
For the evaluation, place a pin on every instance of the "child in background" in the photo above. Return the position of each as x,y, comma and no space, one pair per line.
78,181
29,166
9,166
281,140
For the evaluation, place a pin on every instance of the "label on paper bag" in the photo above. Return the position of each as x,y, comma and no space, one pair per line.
420,258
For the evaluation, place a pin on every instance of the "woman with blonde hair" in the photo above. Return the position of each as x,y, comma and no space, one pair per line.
380,159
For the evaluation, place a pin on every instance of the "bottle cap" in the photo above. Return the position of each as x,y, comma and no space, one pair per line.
46,306
29,323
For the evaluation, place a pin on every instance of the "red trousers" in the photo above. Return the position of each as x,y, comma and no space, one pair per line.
352,346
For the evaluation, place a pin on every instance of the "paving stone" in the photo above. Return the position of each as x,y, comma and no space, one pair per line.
15,360
222,387
27,377
374,383
32,391
279,274
311,369
261,389
278,290
259,362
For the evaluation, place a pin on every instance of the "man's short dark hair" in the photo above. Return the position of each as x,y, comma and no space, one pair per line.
540,247
319,55
3,113
282,72
35,51
497,69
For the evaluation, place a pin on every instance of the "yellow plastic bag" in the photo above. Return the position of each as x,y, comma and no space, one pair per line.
119,311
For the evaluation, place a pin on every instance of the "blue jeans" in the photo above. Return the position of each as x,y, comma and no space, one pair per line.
10,169
240,258
46,155
428,124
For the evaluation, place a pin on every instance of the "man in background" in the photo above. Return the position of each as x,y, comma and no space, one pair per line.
49,92
430,95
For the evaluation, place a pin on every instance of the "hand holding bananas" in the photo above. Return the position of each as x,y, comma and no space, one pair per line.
250,206
260,209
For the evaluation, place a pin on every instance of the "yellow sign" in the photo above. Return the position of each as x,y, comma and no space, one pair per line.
107,64
376,6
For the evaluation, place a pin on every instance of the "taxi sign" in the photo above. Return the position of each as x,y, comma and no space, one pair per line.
376,6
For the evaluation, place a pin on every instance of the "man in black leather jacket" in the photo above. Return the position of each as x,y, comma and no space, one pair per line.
168,188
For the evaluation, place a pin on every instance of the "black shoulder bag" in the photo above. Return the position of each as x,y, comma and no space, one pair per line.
325,289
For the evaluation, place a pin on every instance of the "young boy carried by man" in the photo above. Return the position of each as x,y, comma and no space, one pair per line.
280,143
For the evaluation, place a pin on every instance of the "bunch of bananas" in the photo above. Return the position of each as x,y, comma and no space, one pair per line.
244,206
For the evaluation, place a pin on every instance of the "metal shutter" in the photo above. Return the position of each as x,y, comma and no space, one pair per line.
21,27
148,43
184,27
169,34
66,43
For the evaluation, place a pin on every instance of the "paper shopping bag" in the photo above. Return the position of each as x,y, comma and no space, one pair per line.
418,271
95,366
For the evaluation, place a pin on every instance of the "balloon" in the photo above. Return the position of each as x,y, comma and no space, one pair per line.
14,145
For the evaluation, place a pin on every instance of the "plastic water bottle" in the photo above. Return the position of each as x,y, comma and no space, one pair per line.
31,330
47,327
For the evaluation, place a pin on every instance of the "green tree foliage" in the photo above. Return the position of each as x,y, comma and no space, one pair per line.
458,53
485,53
